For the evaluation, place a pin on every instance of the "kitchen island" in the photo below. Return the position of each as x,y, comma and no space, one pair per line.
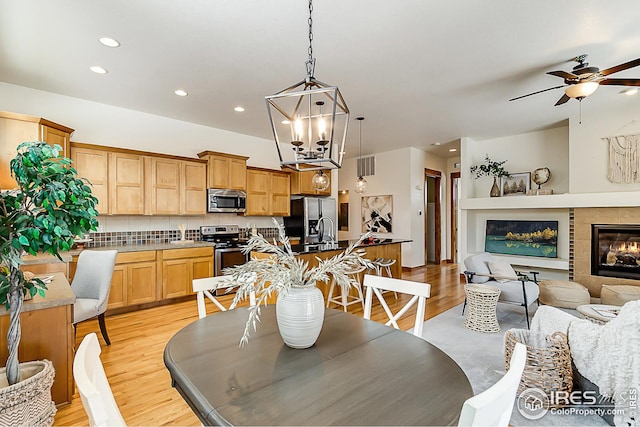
378,248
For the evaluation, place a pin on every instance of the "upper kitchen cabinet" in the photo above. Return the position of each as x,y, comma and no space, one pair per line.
268,192
129,182
193,187
93,165
302,184
226,171
177,186
18,128
126,184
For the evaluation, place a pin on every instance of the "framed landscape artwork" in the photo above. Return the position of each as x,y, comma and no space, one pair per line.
517,184
522,237
377,214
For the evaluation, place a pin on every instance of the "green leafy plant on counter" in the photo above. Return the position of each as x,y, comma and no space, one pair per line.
489,168
49,207
282,269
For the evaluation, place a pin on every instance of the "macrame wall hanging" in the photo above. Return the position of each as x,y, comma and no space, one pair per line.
624,158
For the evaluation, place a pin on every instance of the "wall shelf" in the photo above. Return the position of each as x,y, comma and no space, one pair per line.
567,200
534,262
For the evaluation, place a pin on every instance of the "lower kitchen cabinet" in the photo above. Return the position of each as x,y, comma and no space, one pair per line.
181,266
153,276
134,279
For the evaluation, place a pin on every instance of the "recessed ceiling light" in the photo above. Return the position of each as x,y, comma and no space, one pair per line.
239,109
436,143
285,122
97,69
631,91
181,92
453,149
109,42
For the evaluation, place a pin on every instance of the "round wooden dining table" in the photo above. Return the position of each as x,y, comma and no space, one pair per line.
359,372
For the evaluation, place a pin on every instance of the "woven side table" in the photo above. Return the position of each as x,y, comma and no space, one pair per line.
481,308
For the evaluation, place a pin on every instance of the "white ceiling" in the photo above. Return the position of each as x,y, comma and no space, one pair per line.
421,72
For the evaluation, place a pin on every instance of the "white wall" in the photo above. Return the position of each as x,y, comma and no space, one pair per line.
589,155
102,124
399,173
523,153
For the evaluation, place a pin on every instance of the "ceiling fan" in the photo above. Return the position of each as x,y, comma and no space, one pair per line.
583,80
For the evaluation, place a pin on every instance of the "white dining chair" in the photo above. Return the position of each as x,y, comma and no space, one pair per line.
493,406
204,287
420,291
93,386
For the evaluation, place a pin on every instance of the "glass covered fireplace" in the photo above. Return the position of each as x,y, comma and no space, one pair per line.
615,251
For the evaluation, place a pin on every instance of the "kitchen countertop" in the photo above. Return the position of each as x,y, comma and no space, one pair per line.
145,247
341,245
58,293
45,259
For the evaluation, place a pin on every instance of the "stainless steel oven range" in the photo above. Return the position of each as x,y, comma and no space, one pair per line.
227,251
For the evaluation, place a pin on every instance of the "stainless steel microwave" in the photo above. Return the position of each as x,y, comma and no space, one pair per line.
226,200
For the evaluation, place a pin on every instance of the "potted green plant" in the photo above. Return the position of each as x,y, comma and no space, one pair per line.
49,207
490,168
300,304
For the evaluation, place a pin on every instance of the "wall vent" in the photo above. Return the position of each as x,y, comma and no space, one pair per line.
367,166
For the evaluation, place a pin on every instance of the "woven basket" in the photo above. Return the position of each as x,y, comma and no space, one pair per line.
548,367
28,403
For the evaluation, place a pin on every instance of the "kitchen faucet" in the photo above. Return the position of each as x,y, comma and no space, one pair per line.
331,237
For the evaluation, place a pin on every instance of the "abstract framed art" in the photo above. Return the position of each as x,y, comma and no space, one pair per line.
377,214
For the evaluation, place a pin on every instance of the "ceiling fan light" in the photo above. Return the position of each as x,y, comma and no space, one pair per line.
581,90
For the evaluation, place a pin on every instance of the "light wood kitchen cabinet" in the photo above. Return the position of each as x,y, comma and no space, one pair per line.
164,185
258,193
133,281
226,171
126,183
268,192
181,266
280,194
18,128
93,165
177,187
193,188
302,184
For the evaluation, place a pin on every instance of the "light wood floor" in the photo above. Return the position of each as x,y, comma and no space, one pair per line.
142,385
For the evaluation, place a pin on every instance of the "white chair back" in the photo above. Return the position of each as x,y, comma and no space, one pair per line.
420,291
493,406
93,386
204,287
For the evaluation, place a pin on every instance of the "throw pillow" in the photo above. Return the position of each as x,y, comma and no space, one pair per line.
503,270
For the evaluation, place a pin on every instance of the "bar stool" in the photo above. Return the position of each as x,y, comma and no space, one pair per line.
345,299
384,265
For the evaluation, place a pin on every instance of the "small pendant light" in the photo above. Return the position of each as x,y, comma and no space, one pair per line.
361,183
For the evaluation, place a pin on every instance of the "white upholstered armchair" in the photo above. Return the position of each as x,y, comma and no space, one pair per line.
516,287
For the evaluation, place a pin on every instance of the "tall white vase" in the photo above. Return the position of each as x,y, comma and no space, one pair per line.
300,315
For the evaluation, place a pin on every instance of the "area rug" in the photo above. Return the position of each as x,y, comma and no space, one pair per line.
481,357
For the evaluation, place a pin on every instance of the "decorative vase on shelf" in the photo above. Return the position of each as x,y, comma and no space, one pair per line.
495,190
300,314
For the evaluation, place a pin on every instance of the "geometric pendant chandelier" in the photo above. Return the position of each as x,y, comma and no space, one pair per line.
309,120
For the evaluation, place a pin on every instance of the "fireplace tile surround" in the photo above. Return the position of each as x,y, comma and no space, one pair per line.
580,256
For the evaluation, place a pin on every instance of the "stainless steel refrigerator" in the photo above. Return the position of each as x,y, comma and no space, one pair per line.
313,219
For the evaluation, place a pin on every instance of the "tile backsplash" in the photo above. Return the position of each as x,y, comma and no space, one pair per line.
119,238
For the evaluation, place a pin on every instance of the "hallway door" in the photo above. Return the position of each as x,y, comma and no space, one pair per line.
432,203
